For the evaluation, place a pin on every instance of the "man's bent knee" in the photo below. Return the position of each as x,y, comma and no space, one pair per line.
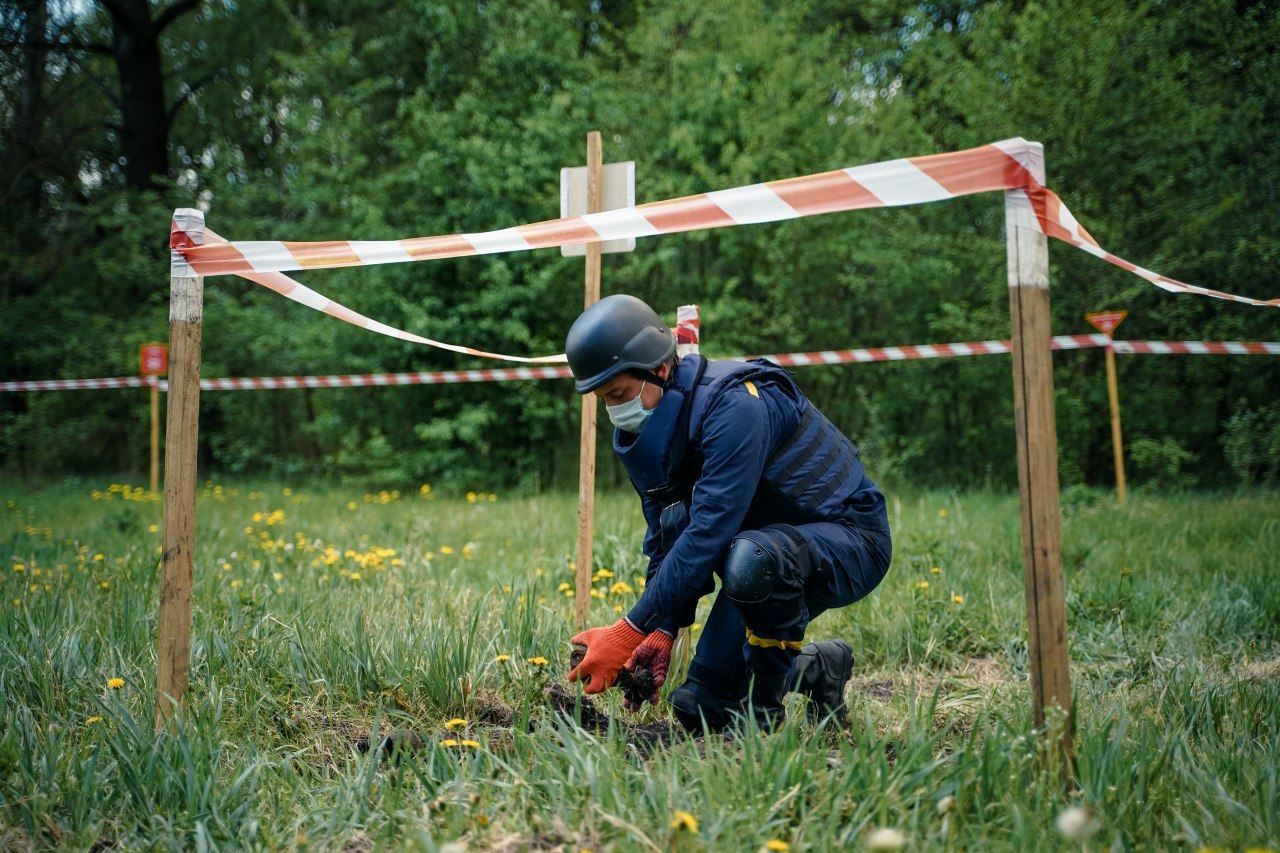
760,561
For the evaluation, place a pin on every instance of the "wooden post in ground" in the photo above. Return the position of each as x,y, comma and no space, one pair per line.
1117,441
587,444
173,633
1037,444
688,341
155,434
1106,322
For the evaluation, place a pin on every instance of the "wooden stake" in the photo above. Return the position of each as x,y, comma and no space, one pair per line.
1037,443
173,634
587,442
1117,441
688,341
155,434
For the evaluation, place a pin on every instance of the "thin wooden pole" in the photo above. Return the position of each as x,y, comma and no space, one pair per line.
155,434
1117,440
587,443
688,341
173,633
1037,443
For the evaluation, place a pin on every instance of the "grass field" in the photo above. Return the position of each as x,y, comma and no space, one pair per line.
324,616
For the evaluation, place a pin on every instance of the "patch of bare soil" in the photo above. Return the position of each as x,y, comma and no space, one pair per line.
1259,670
583,711
981,673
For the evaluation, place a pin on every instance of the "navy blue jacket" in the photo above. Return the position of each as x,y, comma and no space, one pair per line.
755,452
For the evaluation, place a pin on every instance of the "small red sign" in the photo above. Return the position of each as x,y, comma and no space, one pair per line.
1106,321
153,359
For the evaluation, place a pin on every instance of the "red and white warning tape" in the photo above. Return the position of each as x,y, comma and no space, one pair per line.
76,384
1011,165
789,359
1198,347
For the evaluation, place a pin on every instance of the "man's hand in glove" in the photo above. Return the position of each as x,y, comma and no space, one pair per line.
607,650
654,655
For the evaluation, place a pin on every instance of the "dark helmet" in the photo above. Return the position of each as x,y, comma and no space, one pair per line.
617,334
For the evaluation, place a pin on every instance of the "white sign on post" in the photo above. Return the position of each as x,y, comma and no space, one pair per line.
619,190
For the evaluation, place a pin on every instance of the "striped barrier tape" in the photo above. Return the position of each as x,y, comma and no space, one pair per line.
790,359
1197,347
76,384
1010,165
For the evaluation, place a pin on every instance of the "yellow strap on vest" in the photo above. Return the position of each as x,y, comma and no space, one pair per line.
766,643
751,389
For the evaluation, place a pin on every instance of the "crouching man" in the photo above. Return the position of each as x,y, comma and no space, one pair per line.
739,476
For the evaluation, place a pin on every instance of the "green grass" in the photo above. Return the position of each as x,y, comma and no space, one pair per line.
1174,611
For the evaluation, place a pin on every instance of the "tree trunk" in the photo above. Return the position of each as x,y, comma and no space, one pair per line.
135,42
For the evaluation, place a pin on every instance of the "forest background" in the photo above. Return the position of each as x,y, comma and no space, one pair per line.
312,120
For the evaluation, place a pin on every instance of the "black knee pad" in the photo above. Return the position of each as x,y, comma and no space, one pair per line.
758,560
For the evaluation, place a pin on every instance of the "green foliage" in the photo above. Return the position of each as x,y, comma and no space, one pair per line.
333,120
1160,462
1251,443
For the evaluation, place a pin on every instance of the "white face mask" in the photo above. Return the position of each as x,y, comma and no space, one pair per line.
630,416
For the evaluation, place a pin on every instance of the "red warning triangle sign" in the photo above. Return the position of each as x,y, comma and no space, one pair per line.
1106,321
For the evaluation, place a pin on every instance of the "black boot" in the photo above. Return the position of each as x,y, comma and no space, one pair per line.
821,672
695,705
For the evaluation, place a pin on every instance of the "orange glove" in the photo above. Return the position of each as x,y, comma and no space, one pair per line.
654,654
607,650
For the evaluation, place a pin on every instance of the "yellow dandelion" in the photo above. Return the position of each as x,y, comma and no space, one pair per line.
449,742
682,820
104,584
958,598
936,570
446,549
469,744
621,588
471,497
98,558
351,504
279,576
236,583
777,845
19,567
922,584
568,593
154,528
506,587
502,659
539,661
455,723
492,497
597,593
469,550
355,576
287,491
115,683
617,608
88,721
563,586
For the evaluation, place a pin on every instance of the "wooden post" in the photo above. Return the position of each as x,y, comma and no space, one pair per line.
173,634
688,340
587,443
155,434
1117,441
1037,444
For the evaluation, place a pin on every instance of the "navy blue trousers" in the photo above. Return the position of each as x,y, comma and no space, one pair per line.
849,561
